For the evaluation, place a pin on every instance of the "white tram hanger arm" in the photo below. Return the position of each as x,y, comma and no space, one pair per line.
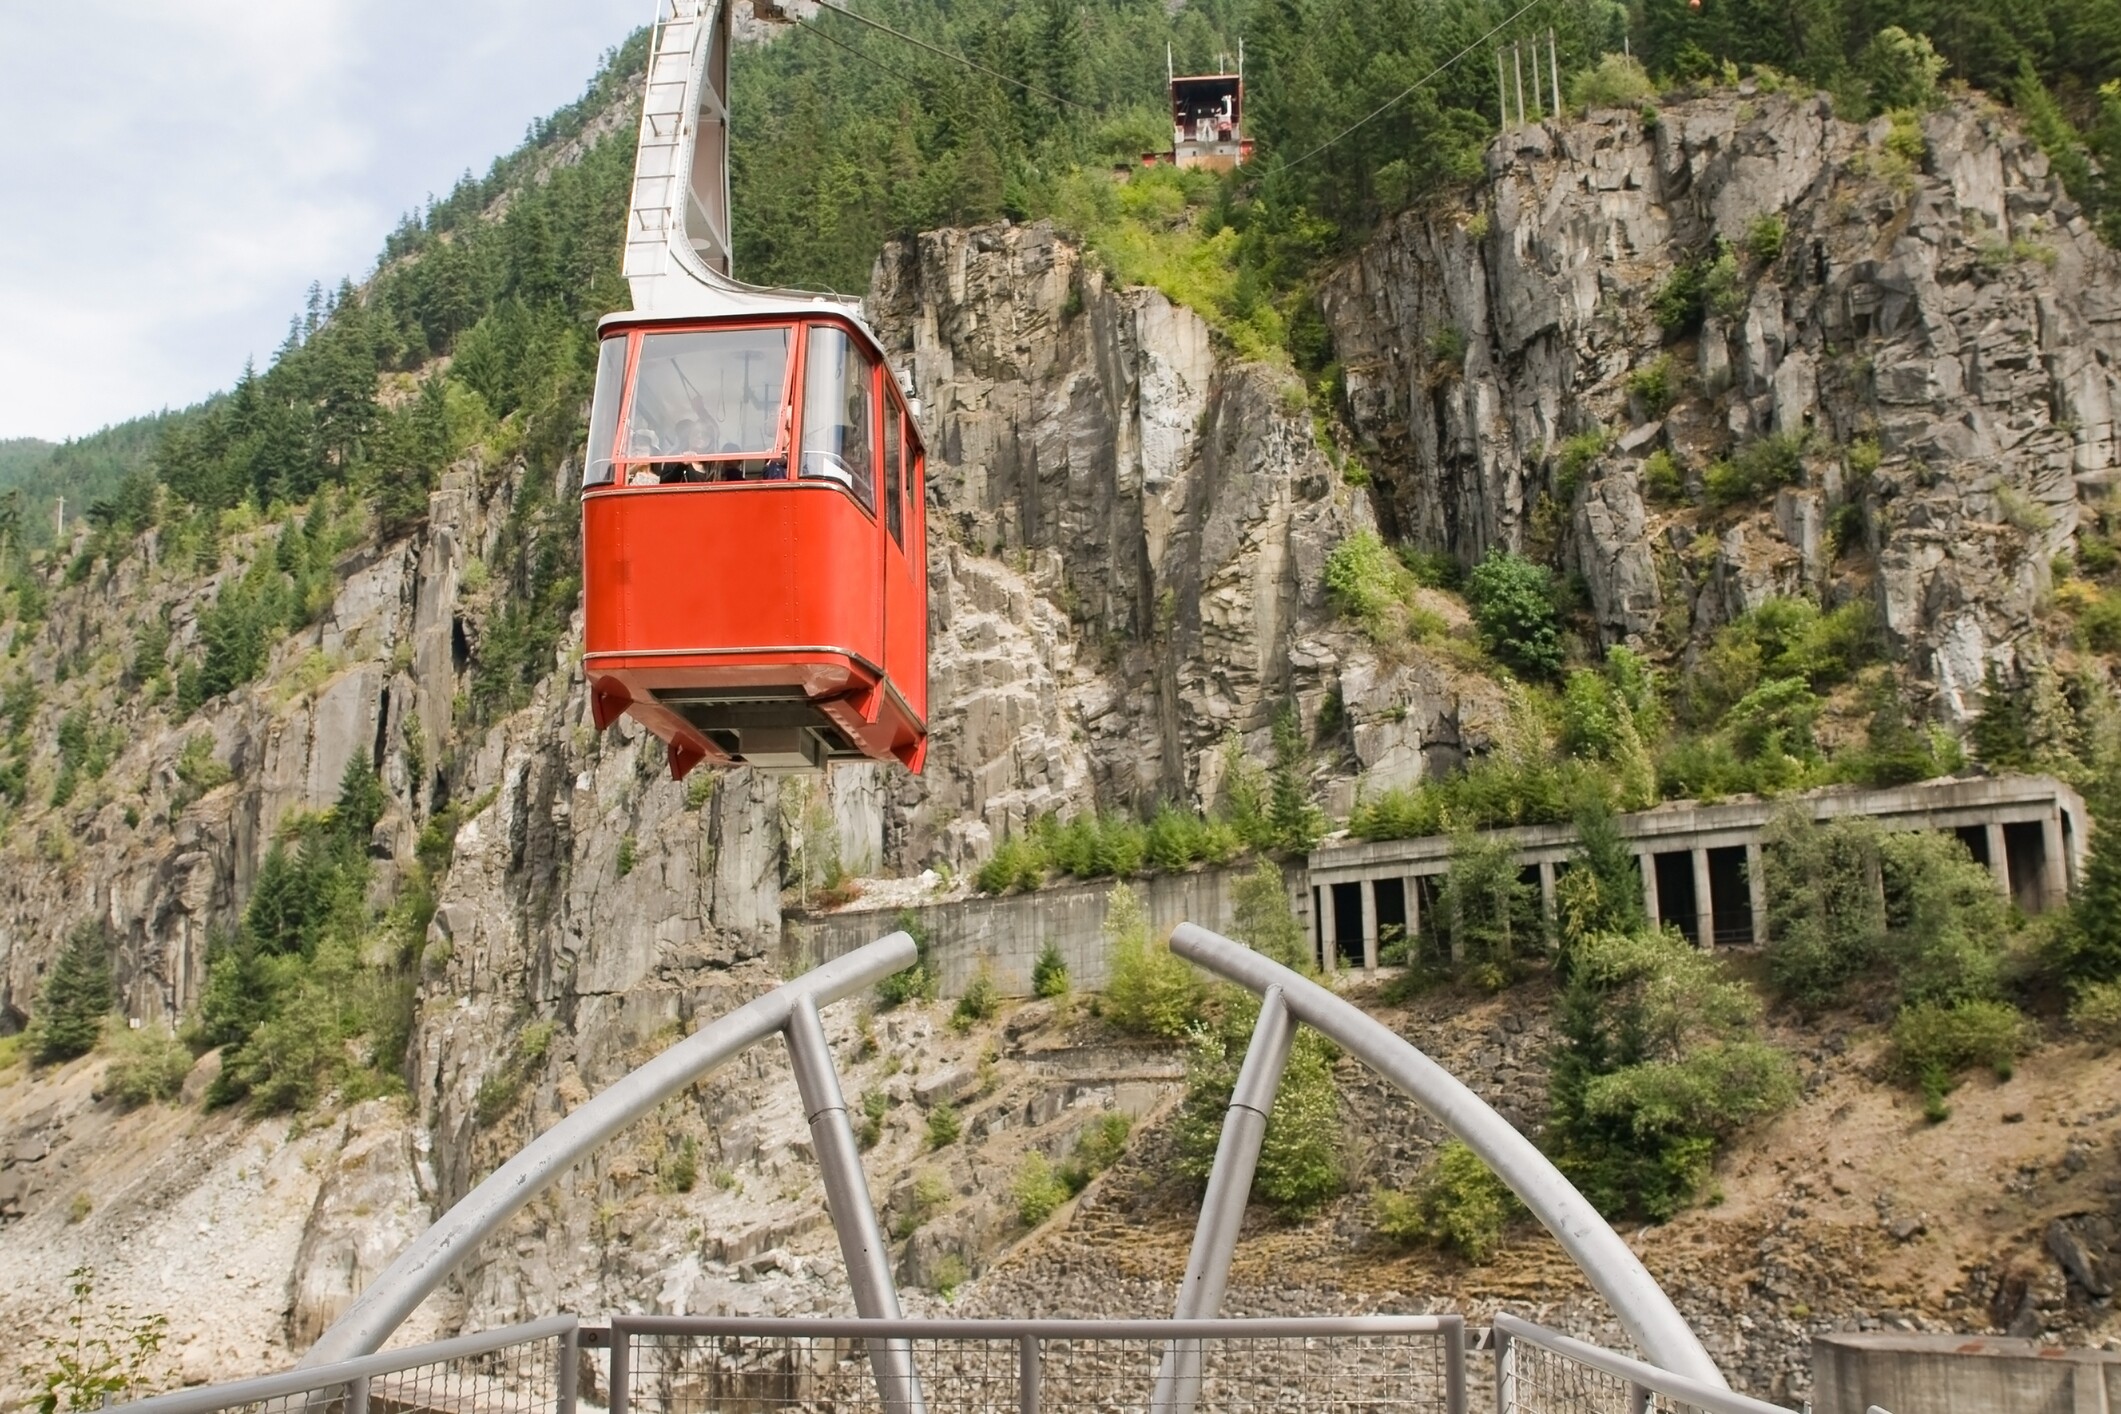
678,241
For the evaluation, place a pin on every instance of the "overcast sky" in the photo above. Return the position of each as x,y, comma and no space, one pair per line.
173,174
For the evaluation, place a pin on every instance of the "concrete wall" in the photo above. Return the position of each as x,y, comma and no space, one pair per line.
1949,1374
1008,932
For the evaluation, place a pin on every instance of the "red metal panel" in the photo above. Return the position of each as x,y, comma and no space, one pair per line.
715,567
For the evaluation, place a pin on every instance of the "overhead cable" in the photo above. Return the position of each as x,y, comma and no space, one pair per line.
1404,93
862,54
953,58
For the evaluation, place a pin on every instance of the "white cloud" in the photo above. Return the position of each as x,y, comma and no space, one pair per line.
173,175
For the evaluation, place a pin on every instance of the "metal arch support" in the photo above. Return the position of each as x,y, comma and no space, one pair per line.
1611,1267
1222,1208
847,1203
439,1251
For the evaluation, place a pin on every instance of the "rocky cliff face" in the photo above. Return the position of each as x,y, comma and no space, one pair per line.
1929,290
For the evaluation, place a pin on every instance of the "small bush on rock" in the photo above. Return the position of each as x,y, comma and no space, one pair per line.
1461,1205
149,1066
1148,989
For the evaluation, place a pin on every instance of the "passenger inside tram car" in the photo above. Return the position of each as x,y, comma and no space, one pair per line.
707,405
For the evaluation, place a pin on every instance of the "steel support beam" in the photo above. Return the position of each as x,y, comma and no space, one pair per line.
1222,1208
1618,1275
847,1201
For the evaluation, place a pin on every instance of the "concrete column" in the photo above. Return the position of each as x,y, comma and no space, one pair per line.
1756,889
1999,860
1649,889
1704,901
2054,869
1328,931
1369,926
1412,886
1546,890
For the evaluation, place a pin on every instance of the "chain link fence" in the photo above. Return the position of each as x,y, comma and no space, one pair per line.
526,1369
1538,1371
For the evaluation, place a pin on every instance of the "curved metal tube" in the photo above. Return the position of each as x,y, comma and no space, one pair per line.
1643,1308
435,1253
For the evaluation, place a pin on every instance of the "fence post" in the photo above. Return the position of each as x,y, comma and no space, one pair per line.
1505,1373
1454,1366
1638,1399
357,1395
621,1348
1027,1374
570,1370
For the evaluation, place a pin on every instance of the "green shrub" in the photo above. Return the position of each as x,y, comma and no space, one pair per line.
1677,303
1300,1164
912,984
2096,1011
1774,719
1375,587
1656,386
1661,478
678,1169
1755,469
1487,919
1764,237
875,1105
1660,1063
1934,1042
1578,455
1149,989
1262,919
1826,913
1901,70
1049,975
629,852
76,996
1038,1190
948,1274
1723,288
148,1065
944,1126
1097,1148
1447,349
1615,81
1460,1205
1015,863
1948,924
197,768
1513,603
981,999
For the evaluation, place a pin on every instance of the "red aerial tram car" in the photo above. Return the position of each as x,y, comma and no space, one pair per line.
754,575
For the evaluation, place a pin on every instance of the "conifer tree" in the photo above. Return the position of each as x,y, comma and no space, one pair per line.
2002,733
76,996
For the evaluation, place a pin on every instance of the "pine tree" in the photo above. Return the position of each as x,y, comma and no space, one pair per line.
2002,733
1296,822
76,996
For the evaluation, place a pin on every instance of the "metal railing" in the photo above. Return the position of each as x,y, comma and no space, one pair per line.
1538,1371
710,1365
526,1369
759,1365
